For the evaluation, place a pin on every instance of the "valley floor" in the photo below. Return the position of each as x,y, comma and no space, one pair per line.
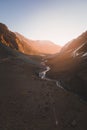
29,103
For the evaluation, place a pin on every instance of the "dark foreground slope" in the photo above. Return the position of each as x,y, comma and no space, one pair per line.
29,103
70,66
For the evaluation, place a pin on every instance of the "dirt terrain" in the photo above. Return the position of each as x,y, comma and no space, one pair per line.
29,103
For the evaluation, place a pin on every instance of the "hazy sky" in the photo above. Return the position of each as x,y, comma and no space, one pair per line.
55,20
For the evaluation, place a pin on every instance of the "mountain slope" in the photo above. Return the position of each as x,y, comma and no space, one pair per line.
70,65
18,42
41,46
10,39
7,37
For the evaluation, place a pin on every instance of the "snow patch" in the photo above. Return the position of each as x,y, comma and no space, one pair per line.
75,53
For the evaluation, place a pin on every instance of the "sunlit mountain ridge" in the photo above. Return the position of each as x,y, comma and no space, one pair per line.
24,45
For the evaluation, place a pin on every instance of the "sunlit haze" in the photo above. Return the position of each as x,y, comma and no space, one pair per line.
56,20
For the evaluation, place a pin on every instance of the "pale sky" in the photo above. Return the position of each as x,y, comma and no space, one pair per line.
56,20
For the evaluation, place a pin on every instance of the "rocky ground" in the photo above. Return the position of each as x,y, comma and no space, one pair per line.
29,103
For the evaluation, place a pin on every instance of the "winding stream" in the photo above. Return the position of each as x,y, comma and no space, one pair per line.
42,75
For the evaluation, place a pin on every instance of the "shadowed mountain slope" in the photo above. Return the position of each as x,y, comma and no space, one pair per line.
70,65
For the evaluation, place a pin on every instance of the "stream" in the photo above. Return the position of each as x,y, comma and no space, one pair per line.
42,75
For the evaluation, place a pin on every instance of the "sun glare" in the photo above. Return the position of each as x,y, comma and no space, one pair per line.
45,27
